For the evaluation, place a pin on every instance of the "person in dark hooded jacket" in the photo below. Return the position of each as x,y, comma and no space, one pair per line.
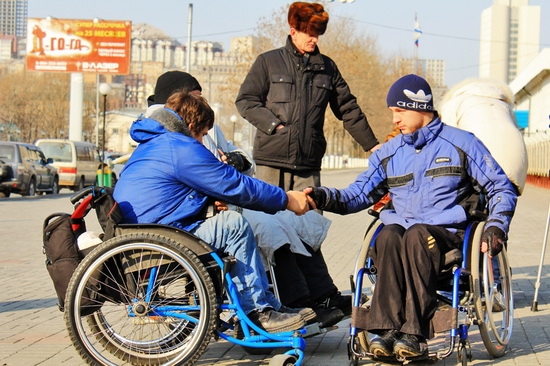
172,177
285,95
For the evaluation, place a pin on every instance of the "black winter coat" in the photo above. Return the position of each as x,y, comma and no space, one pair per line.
279,89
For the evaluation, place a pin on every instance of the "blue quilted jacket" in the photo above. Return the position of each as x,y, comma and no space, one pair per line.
430,174
171,178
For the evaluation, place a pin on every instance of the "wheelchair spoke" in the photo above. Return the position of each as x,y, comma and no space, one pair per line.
158,303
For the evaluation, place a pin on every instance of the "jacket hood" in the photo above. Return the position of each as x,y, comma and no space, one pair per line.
160,122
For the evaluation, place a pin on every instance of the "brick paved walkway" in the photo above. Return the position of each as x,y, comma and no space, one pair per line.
32,330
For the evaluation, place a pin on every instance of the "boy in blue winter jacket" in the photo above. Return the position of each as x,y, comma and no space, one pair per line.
431,172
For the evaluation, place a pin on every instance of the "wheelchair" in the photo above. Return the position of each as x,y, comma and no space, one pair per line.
154,294
476,291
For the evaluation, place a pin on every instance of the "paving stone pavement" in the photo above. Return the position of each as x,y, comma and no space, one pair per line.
32,330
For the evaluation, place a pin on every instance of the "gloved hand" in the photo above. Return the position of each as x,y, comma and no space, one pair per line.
319,197
494,238
237,161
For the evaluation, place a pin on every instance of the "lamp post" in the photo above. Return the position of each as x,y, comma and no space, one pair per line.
104,89
234,119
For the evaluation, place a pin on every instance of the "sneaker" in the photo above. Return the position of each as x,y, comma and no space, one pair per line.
328,317
382,345
342,302
411,346
274,322
308,314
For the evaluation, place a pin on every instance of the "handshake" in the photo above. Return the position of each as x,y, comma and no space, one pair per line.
301,202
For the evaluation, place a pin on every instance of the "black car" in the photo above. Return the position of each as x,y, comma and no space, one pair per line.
25,170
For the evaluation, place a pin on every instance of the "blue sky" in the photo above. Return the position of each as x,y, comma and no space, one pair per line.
450,28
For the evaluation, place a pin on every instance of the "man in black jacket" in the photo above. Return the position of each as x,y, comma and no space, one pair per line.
285,96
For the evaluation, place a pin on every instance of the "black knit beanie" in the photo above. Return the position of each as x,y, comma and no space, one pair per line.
171,81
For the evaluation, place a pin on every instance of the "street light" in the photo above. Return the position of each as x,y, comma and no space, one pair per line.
234,119
104,89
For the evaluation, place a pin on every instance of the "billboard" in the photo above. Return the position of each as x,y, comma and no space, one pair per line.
68,45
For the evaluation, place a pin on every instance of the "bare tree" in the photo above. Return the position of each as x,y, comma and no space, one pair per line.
37,105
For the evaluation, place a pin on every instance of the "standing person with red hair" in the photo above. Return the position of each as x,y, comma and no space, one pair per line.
285,96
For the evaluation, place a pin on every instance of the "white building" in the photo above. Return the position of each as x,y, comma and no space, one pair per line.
532,92
509,38
532,95
431,69
117,130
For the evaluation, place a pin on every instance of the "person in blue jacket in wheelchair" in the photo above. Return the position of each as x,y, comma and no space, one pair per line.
431,171
291,242
171,178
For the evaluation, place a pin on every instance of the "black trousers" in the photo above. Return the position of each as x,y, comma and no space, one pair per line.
302,280
408,264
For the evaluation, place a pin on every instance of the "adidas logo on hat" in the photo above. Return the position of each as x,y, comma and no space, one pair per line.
411,92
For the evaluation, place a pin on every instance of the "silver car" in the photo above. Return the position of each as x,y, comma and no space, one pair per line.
25,170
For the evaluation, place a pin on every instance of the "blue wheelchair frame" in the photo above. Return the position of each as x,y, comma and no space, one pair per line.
227,297
292,339
460,274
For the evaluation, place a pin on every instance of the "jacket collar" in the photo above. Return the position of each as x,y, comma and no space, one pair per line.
316,61
418,139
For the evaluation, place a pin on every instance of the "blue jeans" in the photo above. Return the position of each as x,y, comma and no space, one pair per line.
229,232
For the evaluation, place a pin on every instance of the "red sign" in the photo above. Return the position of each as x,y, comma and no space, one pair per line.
67,45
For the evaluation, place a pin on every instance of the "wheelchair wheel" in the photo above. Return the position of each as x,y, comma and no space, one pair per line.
283,360
159,303
493,296
363,255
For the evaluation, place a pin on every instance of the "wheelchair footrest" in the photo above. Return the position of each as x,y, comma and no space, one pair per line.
359,317
445,318
314,329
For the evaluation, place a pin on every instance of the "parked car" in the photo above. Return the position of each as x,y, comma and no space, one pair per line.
77,161
25,170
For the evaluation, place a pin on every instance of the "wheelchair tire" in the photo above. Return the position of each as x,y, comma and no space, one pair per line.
363,254
283,360
493,297
139,321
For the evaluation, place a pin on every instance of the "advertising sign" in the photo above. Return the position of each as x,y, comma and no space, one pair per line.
67,45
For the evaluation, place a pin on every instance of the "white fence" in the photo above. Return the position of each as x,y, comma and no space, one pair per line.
538,154
341,162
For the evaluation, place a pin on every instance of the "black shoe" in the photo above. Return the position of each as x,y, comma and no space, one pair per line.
342,302
308,314
273,321
411,346
383,345
328,317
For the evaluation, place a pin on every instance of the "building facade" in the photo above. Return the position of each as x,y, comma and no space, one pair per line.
509,39
432,70
13,22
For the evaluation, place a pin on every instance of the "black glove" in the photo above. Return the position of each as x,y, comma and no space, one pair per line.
495,238
237,161
319,197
